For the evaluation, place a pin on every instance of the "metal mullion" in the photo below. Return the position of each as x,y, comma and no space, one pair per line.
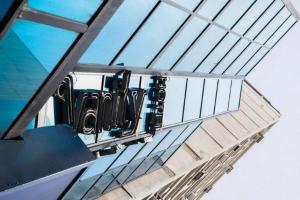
175,36
100,68
220,41
11,15
102,175
259,17
186,52
147,155
184,140
229,99
253,39
52,20
135,33
164,151
216,96
184,100
203,88
264,44
62,69
271,48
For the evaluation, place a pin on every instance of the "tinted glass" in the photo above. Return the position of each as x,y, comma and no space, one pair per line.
235,94
280,32
232,14
80,11
215,56
253,61
209,97
211,8
201,49
4,6
193,98
242,59
180,44
223,96
230,56
273,26
263,21
251,16
189,4
117,31
25,63
158,29
174,100
187,132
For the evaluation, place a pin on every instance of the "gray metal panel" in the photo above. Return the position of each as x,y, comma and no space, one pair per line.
41,153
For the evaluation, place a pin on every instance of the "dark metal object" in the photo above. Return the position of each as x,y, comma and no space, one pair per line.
42,152
52,20
157,95
66,64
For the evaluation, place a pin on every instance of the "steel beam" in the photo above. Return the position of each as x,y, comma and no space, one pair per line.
52,20
98,68
66,65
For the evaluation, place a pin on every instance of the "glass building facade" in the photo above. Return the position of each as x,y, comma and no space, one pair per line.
204,48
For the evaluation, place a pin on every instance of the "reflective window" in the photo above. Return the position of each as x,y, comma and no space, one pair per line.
117,31
181,43
281,31
254,60
210,62
223,93
273,26
209,97
242,59
235,10
230,56
211,8
236,88
80,11
187,132
25,63
193,98
251,16
263,21
201,49
4,6
174,100
158,29
189,4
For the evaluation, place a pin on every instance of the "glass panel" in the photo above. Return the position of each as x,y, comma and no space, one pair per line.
251,16
242,59
253,62
229,58
87,81
210,62
189,4
100,165
158,29
234,12
190,130
80,11
273,26
211,8
171,137
193,98
223,96
201,49
209,97
181,43
263,20
235,95
174,101
4,6
117,31
280,32
25,63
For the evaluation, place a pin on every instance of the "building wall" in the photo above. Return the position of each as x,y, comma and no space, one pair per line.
206,155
